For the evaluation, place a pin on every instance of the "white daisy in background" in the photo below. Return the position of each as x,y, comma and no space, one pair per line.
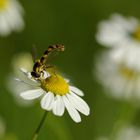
127,133
15,87
11,13
56,94
119,72
118,30
128,56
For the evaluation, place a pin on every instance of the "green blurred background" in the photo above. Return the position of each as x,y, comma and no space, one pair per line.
73,23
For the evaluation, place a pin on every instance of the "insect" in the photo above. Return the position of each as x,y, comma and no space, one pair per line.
41,64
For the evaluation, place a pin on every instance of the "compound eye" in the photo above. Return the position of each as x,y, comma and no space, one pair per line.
34,74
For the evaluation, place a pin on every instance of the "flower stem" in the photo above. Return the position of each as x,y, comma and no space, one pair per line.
35,136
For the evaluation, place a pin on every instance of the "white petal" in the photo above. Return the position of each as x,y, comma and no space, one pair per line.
76,90
13,15
26,73
71,110
32,94
47,101
4,27
67,80
79,103
58,106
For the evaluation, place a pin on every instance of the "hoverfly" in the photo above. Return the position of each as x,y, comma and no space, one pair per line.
41,64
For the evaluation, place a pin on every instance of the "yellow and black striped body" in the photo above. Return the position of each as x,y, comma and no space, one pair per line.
40,64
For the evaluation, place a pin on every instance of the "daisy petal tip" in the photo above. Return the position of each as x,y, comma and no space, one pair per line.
58,114
23,96
88,113
77,121
31,94
76,91
44,108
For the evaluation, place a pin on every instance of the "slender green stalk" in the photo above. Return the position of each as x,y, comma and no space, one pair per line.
35,136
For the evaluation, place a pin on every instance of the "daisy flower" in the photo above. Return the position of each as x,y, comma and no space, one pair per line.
128,56
127,133
119,72
56,94
10,17
117,30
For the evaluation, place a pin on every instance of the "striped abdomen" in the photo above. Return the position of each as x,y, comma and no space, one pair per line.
41,63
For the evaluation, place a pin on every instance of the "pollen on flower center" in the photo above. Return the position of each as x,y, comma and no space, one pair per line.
128,73
56,84
136,33
3,4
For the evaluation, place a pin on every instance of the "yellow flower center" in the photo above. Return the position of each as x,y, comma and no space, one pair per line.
56,84
136,34
3,4
128,73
